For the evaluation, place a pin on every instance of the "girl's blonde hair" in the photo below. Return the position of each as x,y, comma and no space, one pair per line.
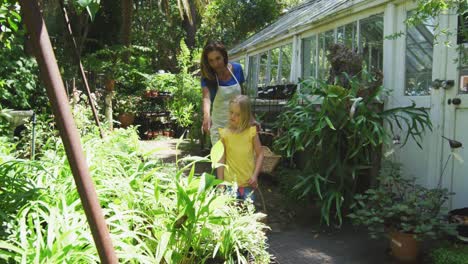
245,110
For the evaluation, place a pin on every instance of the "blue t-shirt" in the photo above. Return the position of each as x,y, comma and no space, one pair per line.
236,70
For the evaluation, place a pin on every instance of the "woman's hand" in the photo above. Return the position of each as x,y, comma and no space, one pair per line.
206,124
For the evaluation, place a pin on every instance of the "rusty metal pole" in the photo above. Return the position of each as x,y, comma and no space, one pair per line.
68,131
82,72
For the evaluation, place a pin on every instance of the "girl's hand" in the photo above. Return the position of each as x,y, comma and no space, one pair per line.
253,182
206,124
254,122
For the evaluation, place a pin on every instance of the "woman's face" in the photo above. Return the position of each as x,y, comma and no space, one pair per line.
216,60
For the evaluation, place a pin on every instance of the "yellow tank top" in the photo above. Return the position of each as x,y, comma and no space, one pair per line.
239,150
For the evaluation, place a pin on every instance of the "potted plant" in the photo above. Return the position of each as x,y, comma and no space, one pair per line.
126,107
107,61
403,210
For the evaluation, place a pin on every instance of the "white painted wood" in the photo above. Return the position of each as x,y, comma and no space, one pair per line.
296,63
423,164
456,124
389,46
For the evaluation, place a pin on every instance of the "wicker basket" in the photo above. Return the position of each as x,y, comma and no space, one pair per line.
270,160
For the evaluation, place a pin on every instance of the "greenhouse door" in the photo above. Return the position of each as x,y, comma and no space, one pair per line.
415,61
456,117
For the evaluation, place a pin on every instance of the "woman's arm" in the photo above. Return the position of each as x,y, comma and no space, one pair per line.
258,161
206,110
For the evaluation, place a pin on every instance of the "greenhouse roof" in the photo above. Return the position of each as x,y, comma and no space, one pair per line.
297,17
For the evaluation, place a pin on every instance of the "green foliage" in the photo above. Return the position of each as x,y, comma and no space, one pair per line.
400,204
187,97
19,82
10,21
158,26
183,85
449,254
232,20
122,64
4,123
127,103
154,212
91,6
341,128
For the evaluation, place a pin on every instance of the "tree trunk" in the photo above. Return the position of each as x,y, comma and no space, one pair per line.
190,28
127,12
108,109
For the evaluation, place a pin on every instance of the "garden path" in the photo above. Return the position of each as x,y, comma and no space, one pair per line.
296,236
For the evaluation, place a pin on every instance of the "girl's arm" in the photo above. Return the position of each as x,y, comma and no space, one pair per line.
258,161
206,110
220,169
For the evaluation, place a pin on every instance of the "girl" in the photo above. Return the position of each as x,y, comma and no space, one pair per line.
243,152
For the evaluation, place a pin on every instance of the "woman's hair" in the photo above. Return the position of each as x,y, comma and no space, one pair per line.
245,110
206,71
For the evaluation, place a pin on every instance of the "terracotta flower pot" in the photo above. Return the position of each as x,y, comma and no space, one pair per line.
126,119
154,93
148,94
109,85
404,246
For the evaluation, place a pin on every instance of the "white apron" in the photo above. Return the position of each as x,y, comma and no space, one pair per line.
220,111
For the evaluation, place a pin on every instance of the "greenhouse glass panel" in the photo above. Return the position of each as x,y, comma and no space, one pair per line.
350,35
371,42
418,58
274,64
285,66
309,57
326,40
347,35
463,69
262,73
252,76
242,63
340,34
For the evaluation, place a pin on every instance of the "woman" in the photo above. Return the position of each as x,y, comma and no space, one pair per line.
221,81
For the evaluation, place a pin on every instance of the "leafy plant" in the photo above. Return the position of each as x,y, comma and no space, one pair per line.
156,212
107,61
448,253
127,103
342,127
399,204
160,81
4,123
187,96
19,83
10,20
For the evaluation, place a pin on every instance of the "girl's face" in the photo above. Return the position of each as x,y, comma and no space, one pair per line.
234,115
216,60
